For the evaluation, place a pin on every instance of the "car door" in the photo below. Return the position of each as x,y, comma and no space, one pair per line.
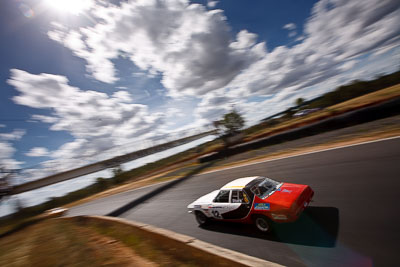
221,204
240,205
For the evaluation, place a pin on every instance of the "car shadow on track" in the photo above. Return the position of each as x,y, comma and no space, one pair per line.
317,226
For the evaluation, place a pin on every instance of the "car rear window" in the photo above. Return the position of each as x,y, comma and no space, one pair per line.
265,187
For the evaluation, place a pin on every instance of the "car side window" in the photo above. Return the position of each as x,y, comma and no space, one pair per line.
243,196
235,197
222,197
238,196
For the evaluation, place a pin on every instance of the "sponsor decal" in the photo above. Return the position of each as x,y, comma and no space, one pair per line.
197,206
286,191
261,206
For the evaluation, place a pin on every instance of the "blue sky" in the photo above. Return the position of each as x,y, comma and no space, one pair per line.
81,79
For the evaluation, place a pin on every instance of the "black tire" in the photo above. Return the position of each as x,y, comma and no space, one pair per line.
262,224
201,218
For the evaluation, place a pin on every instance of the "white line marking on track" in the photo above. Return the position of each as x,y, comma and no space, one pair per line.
302,154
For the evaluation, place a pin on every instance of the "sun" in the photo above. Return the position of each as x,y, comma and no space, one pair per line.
74,7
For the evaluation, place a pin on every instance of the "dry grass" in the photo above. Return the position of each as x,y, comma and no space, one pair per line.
62,243
368,99
89,242
157,248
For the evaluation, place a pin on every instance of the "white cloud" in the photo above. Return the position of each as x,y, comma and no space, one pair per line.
348,65
333,36
324,58
95,120
37,152
292,34
194,52
72,7
212,4
15,135
244,40
43,118
7,152
300,38
189,46
214,105
289,26
175,113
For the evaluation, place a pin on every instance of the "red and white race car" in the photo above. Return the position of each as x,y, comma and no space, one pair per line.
257,200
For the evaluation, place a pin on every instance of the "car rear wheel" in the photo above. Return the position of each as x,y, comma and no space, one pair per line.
262,224
201,218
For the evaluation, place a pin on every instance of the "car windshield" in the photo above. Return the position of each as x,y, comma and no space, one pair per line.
265,187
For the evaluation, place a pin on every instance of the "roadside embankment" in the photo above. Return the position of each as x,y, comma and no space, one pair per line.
149,241
102,240
356,117
56,242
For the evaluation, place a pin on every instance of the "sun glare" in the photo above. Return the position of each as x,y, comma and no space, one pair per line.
70,6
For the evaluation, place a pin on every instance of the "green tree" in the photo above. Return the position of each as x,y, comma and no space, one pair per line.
102,183
117,171
118,175
231,123
299,101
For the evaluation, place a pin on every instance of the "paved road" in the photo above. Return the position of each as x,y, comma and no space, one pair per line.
353,220
105,205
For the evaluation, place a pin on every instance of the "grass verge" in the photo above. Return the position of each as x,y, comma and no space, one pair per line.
157,248
89,242
63,243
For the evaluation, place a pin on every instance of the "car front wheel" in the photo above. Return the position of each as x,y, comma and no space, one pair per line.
201,218
262,224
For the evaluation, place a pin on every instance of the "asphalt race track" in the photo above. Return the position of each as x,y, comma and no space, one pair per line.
353,220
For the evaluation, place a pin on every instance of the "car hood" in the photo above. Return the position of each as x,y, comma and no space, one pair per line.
287,194
206,199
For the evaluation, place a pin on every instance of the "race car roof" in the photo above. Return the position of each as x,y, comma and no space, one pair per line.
239,183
